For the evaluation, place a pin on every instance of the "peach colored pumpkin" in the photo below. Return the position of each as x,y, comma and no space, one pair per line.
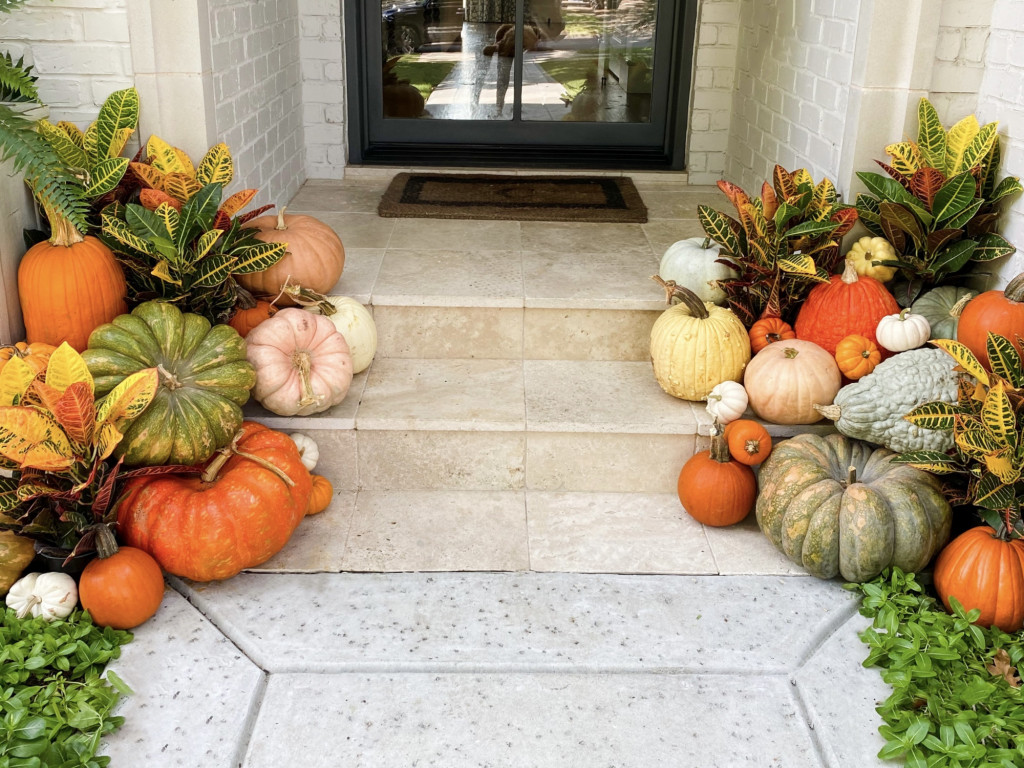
314,260
302,363
786,379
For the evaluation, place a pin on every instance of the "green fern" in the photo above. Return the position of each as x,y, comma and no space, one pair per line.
17,83
6,6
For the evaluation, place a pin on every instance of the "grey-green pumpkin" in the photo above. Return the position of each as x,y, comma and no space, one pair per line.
941,307
204,381
838,506
873,408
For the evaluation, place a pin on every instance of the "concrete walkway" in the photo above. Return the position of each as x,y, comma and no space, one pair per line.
514,669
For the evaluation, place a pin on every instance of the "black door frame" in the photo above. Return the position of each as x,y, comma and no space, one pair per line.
585,145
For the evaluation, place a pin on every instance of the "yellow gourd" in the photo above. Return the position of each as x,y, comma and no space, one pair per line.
695,346
871,249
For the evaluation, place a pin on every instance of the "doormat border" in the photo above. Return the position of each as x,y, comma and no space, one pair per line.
623,202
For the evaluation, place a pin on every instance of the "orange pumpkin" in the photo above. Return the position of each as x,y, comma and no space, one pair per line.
123,587
857,356
314,260
748,440
715,490
68,286
321,496
999,312
36,355
244,320
848,304
767,331
985,572
239,513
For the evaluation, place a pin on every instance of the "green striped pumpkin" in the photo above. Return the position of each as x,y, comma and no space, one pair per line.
204,381
891,514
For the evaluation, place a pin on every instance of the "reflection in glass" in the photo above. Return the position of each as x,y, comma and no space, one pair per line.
582,60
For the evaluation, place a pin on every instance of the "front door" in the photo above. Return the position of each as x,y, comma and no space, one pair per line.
584,83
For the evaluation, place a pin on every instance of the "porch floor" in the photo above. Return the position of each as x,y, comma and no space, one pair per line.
510,438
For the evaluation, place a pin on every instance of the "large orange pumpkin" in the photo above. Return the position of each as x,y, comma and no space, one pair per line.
68,286
999,312
714,489
123,587
848,304
239,513
985,572
314,260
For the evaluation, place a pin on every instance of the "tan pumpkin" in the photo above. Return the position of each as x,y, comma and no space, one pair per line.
695,346
786,379
302,363
314,260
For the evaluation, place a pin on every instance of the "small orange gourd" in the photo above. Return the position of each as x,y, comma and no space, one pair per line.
857,356
767,331
320,499
123,587
36,355
715,490
749,442
244,320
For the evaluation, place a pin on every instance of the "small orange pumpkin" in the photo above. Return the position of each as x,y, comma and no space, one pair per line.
321,497
37,355
748,440
767,331
857,356
244,320
715,490
123,587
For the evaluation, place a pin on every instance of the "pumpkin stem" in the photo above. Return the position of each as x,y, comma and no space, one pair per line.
958,308
27,608
851,475
280,219
685,296
215,466
245,299
831,412
790,353
307,297
903,313
1014,290
850,275
300,359
170,380
719,447
62,231
106,544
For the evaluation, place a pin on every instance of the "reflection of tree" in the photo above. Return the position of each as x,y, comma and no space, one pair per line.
638,15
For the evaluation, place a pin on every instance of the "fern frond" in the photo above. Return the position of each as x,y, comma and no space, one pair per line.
17,83
6,6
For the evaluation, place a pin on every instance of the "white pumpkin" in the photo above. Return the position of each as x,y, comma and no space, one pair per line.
50,595
903,331
727,402
692,265
309,451
355,323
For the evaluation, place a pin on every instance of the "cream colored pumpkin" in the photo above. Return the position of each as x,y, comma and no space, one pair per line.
695,346
309,451
50,595
786,379
355,323
693,265
727,402
903,331
868,250
302,363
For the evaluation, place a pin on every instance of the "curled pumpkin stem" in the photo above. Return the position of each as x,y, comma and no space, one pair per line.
306,297
170,380
300,360
233,450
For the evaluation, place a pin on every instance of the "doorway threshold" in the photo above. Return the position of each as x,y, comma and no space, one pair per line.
387,172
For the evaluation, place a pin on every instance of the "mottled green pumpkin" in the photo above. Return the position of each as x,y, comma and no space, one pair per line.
204,381
941,307
890,514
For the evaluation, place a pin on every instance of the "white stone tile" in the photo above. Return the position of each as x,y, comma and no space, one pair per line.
455,234
443,332
575,237
588,334
614,533
742,549
619,280
336,197
438,531
537,720
318,544
359,230
360,273
194,693
451,278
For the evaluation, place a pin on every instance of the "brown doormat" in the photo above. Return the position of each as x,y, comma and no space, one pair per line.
603,199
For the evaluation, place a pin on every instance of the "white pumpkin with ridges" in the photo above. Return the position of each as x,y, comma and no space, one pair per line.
727,402
693,266
50,595
355,323
902,331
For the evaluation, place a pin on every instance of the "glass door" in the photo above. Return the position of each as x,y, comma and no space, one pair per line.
513,82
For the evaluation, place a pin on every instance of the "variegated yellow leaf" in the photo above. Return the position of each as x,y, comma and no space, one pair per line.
67,150
186,162
73,132
119,140
128,399
180,186
997,415
957,141
205,243
825,196
975,442
76,412
33,440
906,157
980,146
216,166
931,136
237,202
106,440
163,271
964,358
151,176
15,379
802,176
163,156
1002,466
91,141
66,367
170,217
797,264
118,230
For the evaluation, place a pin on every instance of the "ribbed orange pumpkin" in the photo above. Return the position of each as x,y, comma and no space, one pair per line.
238,514
848,304
748,440
320,499
999,312
715,490
857,356
315,257
35,355
982,571
122,588
767,331
244,320
69,286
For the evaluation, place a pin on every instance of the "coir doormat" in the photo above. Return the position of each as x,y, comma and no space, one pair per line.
606,199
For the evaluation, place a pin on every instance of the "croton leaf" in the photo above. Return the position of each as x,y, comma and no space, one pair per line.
129,398
868,214
238,201
931,136
798,264
998,417
198,214
811,228
8,494
964,358
955,195
120,112
782,179
151,199
15,379
735,193
934,415
258,257
162,156
717,226
70,152
1003,358
906,157
888,189
119,231
148,175
992,493
213,270
979,147
936,462
32,439
250,215
897,237
145,223
904,181
939,238
992,246
181,186
106,439
76,413
1008,186
974,442
216,166
902,218
957,140
67,367
953,258
925,183
982,224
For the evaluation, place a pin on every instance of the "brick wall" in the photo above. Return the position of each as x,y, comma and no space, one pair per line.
960,57
794,66
80,50
323,88
257,89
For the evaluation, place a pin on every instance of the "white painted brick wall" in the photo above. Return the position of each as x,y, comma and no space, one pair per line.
794,65
254,50
80,50
323,88
1001,97
960,57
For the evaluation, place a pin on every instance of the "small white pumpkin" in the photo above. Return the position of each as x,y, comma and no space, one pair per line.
691,264
727,401
904,331
309,451
50,595
355,323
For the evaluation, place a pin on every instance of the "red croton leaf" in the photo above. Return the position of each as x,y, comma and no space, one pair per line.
735,194
152,198
925,183
847,218
76,412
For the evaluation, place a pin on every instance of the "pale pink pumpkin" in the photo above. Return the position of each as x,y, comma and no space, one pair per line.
302,362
